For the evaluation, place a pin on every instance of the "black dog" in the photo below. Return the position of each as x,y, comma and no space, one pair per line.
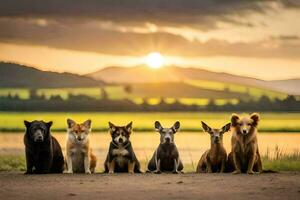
166,157
121,157
43,152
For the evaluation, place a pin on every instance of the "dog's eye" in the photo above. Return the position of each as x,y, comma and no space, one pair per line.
240,124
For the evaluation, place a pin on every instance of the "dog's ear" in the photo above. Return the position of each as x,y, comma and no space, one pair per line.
234,119
49,124
176,127
87,123
205,127
70,123
255,117
158,126
226,128
129,127
112,127
27,123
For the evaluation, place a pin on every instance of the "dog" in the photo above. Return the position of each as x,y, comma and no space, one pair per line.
121,157
79,155
214,160
244,156
43,152
166,156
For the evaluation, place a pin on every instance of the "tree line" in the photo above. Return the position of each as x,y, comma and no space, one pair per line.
81,103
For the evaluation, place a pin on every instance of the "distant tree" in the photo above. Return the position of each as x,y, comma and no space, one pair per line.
226,89
128,89
56,98
104,95
33,94
211,106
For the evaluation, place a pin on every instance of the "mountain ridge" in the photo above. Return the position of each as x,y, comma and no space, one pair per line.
144,74
16,75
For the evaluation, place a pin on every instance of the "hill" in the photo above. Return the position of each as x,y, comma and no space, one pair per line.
19,76
290,86
143,74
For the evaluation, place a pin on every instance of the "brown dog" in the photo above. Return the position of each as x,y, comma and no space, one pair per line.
214,160
79,156
244,156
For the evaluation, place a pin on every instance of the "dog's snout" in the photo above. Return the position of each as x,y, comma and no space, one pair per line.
244,131
168,139
217,139
121,140
39,138
78,138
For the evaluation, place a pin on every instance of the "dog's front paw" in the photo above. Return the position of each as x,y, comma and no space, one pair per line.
250,172
157,172
111,172
176,172
237,172
70,172
88,172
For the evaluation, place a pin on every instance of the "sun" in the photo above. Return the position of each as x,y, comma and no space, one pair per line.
155,60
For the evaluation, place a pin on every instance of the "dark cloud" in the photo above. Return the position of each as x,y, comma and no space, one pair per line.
92,38
291,3
68,24
286,37
201,13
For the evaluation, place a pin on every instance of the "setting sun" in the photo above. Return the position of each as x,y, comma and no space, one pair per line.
155,60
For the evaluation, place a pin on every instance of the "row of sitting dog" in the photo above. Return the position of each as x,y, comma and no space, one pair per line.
44,154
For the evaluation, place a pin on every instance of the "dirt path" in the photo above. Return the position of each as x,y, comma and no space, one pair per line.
281,186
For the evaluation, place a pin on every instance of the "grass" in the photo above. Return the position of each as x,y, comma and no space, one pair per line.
271,122
12,163
253,91
114,93
142,91
284,162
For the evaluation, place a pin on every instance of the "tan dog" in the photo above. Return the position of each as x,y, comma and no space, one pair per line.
79,156
214,160
245,157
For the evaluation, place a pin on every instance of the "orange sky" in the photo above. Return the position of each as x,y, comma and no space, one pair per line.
258,38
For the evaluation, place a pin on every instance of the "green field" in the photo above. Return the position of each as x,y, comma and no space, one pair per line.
270,122
189,92
252,91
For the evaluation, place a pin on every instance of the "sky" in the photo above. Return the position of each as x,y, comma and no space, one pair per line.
257,38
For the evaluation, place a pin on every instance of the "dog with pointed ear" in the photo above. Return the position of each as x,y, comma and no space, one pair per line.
166,157
214,159
244,156
43,152
79,155
121,157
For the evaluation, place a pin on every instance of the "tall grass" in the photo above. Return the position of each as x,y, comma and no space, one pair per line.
280,160
12,163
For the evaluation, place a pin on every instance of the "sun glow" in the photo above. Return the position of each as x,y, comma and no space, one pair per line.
155,60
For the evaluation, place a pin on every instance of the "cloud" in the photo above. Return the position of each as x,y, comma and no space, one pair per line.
98,38
203,14
135,27
287,37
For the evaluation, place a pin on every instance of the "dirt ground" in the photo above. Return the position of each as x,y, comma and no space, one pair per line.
150,186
